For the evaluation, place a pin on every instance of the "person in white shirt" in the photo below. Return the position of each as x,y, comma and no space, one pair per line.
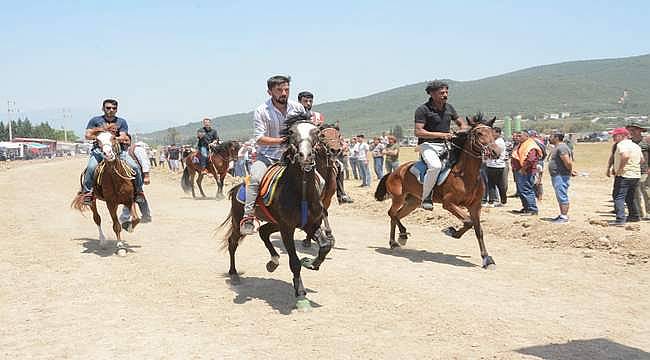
269,119
143,159
354,157
494,171
362,159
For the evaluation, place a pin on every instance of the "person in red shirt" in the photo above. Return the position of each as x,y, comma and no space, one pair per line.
524,163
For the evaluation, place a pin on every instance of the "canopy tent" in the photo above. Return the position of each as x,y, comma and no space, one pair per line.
10,145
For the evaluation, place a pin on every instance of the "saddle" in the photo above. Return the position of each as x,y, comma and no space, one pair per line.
267,186
419,169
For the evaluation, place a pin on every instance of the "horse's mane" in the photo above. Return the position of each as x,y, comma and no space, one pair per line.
292,120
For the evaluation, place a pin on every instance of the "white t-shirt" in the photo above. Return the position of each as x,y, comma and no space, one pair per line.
363,151
499,162
632,169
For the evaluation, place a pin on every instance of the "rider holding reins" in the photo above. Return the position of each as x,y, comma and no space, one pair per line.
207,136
109,106
432,127
269,120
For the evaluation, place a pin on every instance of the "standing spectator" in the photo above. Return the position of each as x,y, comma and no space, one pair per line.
494,171
525,160
152,156
627,171
560,168
162,159
377,150
354,157
642,193
514,147
344,158
392,154
362,160
174,158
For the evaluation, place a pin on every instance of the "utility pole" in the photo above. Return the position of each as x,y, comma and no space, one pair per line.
66,117
11,105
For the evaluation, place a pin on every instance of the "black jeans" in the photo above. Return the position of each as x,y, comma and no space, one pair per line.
623,194
496,181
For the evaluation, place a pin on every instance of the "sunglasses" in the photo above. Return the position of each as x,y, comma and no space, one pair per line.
110,107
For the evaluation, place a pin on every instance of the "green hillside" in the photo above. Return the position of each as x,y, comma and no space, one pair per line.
590,86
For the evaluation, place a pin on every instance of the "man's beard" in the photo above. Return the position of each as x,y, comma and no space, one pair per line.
281,100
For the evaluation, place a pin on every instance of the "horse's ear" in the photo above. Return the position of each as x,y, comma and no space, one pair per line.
470,120
491,122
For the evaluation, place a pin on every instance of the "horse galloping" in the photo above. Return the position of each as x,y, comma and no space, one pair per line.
218,162
113,184
463,187
295,203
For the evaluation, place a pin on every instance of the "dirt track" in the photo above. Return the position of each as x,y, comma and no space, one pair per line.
574,291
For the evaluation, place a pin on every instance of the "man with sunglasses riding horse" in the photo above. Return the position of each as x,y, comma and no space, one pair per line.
306,99
109,106
432,128
269,120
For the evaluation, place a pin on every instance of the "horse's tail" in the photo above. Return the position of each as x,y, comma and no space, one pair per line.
186,184
229,221
78,201
380,193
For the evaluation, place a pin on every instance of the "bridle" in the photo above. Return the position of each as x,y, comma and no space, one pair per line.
477,149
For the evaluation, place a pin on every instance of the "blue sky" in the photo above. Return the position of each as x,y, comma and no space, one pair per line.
170,63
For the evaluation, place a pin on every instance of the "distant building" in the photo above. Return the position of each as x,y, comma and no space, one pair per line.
565,114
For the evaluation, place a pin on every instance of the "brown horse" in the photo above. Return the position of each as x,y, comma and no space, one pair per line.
113,184
218,161
463,187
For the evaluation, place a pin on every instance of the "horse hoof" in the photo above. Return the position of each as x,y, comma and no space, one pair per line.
271,266
303,305
394,245
308,263
402,238
450,231
488,263
127,226
306,243
121,252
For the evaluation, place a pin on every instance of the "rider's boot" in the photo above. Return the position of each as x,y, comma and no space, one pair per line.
146,212
427,203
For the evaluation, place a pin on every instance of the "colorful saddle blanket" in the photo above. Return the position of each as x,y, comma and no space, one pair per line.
267,185
419,169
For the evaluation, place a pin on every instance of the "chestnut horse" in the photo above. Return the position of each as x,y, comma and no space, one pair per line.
113,184
462,189
218,162
296,203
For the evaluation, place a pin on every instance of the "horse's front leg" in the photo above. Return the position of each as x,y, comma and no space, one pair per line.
325,240
475,213
461,214
117,228
220,178
302,303
98,222
199,179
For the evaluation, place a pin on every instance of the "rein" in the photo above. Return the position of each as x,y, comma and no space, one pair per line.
473,144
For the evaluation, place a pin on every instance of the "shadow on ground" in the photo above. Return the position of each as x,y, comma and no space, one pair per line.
276,293
419,256
91,246
592,349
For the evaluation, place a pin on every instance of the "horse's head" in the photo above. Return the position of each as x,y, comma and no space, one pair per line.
108,144
302,136
233,148
330,138
481,135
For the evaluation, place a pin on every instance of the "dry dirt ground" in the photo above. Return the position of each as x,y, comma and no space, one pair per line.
572,291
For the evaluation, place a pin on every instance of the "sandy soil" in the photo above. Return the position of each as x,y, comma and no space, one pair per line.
573,291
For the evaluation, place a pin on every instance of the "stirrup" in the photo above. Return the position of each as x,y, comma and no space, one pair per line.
250,218
87,197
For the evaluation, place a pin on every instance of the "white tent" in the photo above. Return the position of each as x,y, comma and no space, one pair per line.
10,145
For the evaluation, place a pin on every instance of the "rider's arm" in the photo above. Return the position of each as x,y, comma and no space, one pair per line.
260,131
421,133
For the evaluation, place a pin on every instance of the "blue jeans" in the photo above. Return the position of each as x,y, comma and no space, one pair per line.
203,159
623,194
364,173
354,164
391,166
94,159
379,166
526,187
561,187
